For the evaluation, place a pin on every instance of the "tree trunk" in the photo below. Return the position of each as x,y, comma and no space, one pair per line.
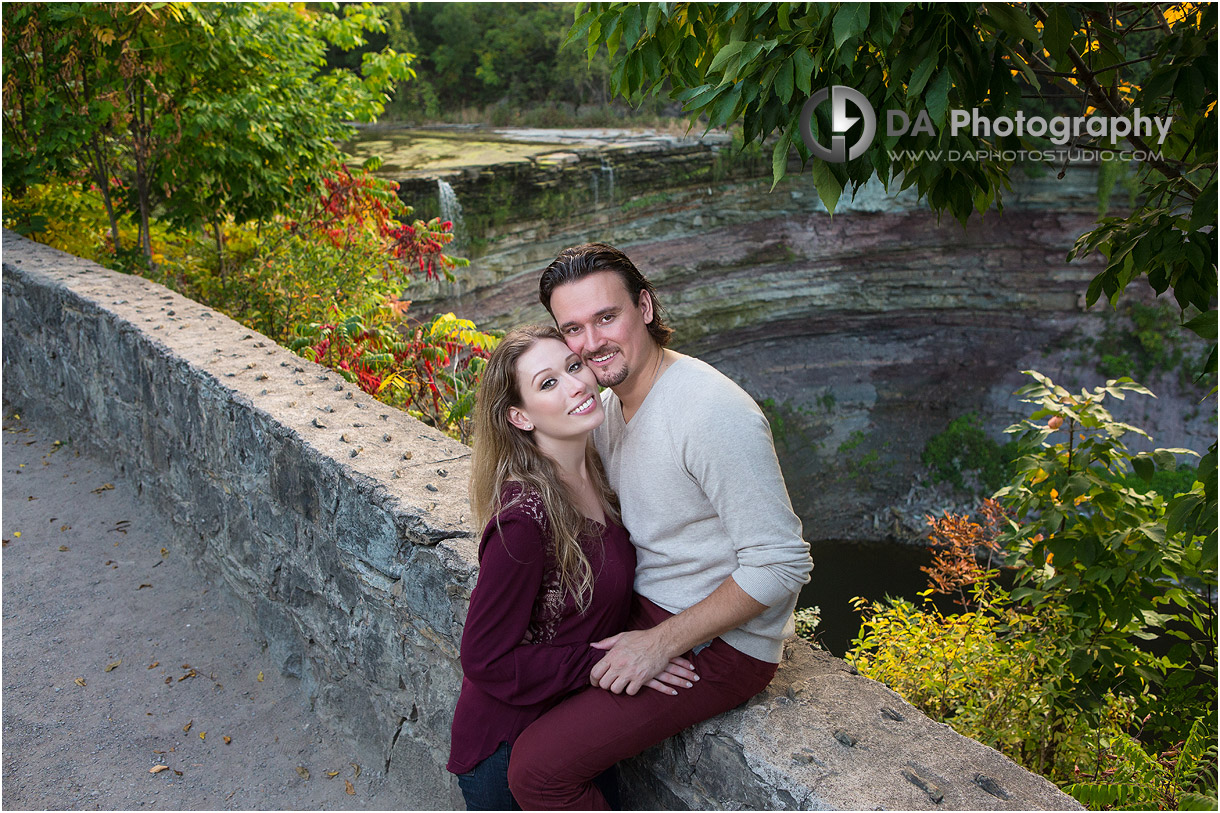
140,152
102,177
219,236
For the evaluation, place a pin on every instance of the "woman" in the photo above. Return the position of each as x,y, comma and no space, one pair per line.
555,564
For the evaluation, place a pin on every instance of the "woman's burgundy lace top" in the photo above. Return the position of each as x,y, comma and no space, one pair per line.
525,645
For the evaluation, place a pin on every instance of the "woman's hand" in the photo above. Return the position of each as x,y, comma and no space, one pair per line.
679,672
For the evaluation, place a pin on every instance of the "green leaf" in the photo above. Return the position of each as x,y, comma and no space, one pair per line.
828,186
1159,83
1014,21
725,54
1081,663
1181,509
1190,87
580,28
720,112
1144,468
1203,212
921,75
1203,325
1057,30
783,81
1165,459
1190,800
937,100
779,156
851,19
802,70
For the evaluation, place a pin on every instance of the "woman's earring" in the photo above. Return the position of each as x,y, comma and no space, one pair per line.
529,427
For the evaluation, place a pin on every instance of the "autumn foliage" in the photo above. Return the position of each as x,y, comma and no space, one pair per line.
958,542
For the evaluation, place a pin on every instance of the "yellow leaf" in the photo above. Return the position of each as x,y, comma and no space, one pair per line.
357,769
63,547
332,774
187,727
80,681
114,665
349,788
17,534
158,768
227,740
1055,494
203,734
260,677
1039,476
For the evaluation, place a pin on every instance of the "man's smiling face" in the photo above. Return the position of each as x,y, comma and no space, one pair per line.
599,321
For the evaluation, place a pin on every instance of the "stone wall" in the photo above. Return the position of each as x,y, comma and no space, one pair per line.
340,528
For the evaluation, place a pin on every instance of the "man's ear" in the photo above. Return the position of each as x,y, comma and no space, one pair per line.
646,307
520,420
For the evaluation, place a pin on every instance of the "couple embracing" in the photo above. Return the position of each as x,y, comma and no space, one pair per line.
640,560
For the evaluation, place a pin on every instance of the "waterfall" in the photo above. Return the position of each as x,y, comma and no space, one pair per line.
608,172
451,210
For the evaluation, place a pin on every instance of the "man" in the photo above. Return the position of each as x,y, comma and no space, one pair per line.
720,554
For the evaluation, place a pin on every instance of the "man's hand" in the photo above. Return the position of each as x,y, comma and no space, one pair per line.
638,658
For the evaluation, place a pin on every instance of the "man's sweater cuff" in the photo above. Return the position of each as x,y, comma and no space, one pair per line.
761,585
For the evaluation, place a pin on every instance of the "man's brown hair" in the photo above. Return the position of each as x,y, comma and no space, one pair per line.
578,262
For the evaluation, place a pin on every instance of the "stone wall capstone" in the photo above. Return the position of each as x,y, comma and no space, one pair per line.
340,527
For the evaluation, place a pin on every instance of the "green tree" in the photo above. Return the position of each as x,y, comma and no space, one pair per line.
213,110
60,92
757,64
478,54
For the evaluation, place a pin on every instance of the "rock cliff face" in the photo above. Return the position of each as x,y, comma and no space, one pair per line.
863,334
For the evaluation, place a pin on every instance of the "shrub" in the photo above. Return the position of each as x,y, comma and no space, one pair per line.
1105,554
965,449
1180,778
1109,630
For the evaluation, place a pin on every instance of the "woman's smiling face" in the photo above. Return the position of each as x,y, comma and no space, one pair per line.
559,398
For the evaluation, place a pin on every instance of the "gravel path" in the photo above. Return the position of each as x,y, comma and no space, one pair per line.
119,658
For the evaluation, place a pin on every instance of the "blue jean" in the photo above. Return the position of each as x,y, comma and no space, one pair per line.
486,787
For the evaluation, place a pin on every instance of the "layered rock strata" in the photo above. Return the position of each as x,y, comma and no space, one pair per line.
863,334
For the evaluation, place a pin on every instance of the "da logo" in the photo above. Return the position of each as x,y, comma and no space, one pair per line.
840,97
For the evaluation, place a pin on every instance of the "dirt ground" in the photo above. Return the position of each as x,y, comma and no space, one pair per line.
118,659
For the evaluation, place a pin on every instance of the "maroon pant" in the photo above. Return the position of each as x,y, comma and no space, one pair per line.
555,760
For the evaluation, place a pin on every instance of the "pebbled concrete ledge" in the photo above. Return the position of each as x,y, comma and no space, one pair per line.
341,528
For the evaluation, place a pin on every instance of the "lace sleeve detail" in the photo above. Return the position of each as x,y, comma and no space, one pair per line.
548,609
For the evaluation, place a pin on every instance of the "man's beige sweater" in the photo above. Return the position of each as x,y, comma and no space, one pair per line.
704,499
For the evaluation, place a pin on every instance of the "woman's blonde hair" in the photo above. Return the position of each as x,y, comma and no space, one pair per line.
504,453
